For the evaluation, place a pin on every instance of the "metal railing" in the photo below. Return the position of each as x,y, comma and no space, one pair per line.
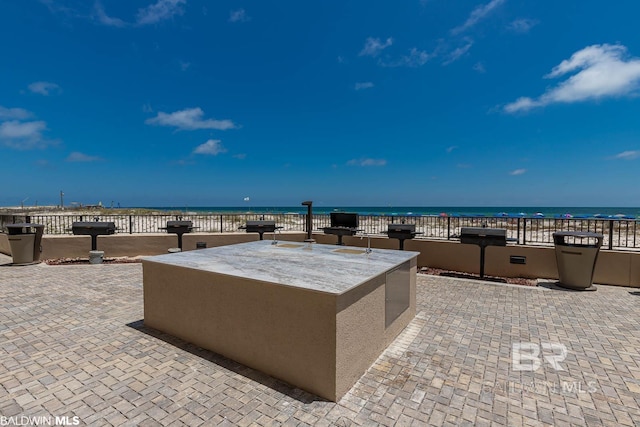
618,233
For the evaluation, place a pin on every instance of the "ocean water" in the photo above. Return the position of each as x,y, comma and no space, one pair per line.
510,211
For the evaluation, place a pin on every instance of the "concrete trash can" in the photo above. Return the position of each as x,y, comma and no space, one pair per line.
25,240
576,255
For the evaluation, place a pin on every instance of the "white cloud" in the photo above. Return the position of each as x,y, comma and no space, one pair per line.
479,67
601,71
44,88
517,172
458,52
184,66
81,157
373,47
14,113
628,155
363,85
147,108
160,11
240,156
14,129
522,104
105,19
415,58
239,16
212,147
189,119
367,162
152,14
450,149
23,135
522,25
477,15
55,7
17,133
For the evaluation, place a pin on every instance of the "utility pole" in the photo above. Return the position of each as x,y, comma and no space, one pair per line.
61,200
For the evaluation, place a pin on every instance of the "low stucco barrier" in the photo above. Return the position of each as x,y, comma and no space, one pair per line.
612,268
4,245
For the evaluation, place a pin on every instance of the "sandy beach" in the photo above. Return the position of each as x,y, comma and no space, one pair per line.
532,231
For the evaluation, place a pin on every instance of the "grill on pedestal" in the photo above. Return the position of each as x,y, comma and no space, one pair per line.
483,237
93,229
260,227
402,232
342,224
179,228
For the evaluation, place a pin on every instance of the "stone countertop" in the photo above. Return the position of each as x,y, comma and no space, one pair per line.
323,268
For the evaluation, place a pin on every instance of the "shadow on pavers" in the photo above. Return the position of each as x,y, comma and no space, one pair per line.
238,368
473,277
555,287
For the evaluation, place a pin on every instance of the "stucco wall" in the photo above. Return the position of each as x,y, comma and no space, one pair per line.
361,331
613,267
318,341
4,245
120,245
248,321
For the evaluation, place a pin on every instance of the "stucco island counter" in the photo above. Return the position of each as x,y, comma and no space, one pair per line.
315,316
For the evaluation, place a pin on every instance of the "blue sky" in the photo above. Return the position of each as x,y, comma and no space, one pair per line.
347,103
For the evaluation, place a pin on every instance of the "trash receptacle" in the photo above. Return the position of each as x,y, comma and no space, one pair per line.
25,240
576,255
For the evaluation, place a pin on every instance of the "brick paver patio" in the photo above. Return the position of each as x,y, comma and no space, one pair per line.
72,343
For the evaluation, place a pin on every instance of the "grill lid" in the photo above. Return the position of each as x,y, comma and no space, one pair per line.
259,223
253,226
483,236
344,219
483,232
400,228
179,224
93,227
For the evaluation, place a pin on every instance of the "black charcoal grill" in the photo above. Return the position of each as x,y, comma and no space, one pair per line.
93,229
483,237
402,232
342,224
260,227
179,228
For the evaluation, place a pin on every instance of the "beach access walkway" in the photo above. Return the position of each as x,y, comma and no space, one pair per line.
73,344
